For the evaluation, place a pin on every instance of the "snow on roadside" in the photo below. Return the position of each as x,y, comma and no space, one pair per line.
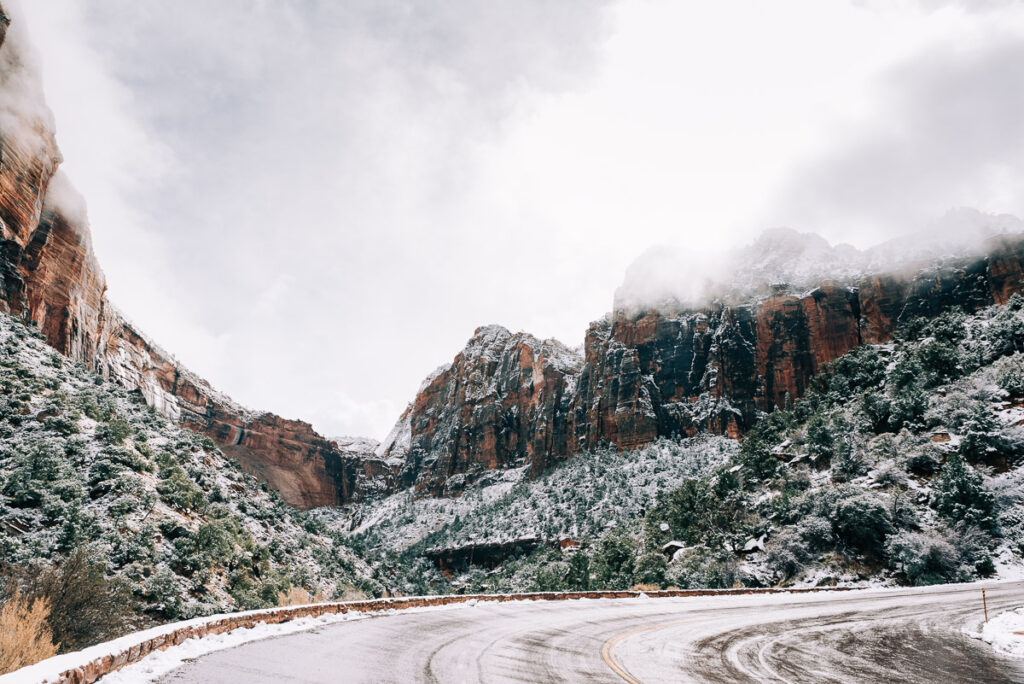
160,662
1005,632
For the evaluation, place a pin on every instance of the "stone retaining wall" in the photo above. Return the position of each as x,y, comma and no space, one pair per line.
95,668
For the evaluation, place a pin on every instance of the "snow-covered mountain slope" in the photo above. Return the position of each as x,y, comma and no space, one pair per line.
86,465
904,464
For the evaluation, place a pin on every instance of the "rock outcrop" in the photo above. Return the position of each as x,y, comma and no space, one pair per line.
511,401
502,403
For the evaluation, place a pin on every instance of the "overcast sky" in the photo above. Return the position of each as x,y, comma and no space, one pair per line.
314,203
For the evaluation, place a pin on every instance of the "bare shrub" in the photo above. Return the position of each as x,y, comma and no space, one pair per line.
86,607
25,635
350,594
645,587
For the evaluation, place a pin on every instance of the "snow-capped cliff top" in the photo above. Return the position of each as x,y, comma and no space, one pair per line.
782,258
495,341
363,447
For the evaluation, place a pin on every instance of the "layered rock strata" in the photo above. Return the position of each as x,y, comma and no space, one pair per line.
48,274
507,400
511,401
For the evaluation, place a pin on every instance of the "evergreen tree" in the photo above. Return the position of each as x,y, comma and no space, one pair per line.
579,571
982,434
959,495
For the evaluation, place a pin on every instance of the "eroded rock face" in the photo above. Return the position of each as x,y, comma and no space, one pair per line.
653,374
797,335
508,400
49,274
502,403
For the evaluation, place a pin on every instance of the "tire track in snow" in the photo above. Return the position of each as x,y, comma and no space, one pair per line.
902,636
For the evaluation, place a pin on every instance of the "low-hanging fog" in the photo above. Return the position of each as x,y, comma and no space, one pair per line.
313,204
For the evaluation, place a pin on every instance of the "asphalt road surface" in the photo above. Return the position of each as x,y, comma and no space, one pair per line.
865,636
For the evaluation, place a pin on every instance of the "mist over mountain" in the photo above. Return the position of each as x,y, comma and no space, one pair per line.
793,410
784,260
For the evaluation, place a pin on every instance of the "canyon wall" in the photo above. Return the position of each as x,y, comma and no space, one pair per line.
502,403
505,403
507,400
49,275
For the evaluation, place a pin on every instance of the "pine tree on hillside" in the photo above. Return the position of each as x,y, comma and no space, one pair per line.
959,495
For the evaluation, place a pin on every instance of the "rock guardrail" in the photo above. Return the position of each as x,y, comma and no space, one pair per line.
89,665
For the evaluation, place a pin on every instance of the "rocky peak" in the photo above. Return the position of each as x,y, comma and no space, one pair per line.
785,261
501,403
783,256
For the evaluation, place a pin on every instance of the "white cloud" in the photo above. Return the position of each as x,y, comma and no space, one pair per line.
947,131
306,236
315,203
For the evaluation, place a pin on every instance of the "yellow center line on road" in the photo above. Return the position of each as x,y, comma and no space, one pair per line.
608,649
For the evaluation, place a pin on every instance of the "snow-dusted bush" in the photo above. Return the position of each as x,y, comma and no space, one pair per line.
614,560
1010,375
816,532
786,554
553,576
703,568
909,405
982,436
925,460
922,557
890,474
946,554
849,464
974,546
650,569
959,495
861,521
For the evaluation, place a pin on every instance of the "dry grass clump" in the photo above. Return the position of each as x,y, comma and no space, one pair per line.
353,594
85,607
645,587
299,596
25,636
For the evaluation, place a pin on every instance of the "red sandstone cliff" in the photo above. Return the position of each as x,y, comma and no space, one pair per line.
48,274
507,400
502,403
665,373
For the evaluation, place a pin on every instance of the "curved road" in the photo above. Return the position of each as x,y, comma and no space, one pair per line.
865,636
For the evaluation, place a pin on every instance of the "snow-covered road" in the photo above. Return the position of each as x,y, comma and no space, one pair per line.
872,636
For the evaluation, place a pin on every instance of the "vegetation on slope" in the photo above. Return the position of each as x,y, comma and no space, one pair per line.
578,500
115,517
901,465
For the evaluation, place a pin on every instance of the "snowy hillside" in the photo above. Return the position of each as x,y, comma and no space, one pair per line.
579,498
89,472
904,464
